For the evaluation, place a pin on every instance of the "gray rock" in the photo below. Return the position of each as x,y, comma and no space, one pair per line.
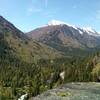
72,91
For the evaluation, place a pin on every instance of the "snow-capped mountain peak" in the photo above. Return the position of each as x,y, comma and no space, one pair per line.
88,30
55,22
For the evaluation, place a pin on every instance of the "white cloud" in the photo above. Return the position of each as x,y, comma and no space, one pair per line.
98,14
74,6
3,11
49,14
32,10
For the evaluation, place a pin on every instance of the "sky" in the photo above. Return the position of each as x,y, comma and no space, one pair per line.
30,14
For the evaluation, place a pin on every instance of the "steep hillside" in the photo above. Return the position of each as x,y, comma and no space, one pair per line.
19,57
19,45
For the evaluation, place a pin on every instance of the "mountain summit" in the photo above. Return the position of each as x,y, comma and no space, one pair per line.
65,37
89,30
55,22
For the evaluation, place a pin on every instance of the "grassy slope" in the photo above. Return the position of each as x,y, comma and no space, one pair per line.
27,50
21,46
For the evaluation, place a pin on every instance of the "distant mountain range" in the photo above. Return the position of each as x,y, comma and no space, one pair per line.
56,39
66,38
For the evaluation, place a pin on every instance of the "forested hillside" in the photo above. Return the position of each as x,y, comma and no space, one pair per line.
18,78
17,54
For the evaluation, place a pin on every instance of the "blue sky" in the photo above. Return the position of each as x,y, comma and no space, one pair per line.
30,14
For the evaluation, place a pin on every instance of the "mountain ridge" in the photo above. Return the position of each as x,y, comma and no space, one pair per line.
63,37
57,22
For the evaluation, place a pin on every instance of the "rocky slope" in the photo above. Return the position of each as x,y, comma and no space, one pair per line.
72,91
65,37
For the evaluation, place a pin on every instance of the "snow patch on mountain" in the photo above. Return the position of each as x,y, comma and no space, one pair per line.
91,31
80,32
57,22
87,30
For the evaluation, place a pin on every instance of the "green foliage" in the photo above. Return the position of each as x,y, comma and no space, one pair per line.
18,77
64,94
27,66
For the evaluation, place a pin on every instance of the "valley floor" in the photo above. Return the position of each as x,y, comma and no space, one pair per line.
72,91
